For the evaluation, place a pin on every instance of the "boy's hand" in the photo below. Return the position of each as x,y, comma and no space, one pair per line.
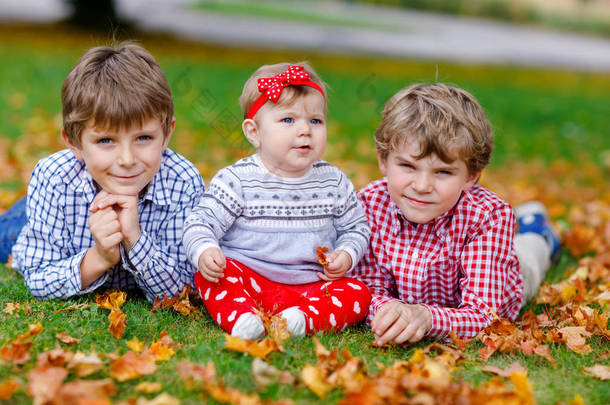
339,262
126,207
212,263
106,230
398,322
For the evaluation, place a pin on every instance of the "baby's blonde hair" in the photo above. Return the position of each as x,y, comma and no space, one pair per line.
250,91
446,121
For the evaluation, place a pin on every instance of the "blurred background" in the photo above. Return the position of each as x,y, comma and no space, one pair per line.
540,68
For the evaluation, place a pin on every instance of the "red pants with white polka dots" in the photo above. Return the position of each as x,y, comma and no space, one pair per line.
328,306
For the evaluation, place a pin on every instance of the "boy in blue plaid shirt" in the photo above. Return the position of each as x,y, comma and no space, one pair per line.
108,211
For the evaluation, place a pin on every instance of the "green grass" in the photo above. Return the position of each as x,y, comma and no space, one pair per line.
203,342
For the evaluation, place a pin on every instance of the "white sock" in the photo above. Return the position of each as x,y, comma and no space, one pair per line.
248,326
295,321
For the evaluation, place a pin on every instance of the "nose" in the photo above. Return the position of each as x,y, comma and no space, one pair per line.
304,128
126,156
422,183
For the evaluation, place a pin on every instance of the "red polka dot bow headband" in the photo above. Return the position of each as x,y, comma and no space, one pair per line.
271,87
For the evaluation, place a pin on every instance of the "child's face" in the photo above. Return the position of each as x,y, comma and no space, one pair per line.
289,138
426,188
122,162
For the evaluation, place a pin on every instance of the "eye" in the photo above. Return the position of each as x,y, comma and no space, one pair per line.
143,138
287,120
444,172
316,121
104,141
407,166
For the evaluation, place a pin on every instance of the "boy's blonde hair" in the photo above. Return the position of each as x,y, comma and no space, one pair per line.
289,95
446,121
115,88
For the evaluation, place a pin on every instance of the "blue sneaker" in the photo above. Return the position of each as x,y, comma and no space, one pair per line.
11,223
532,217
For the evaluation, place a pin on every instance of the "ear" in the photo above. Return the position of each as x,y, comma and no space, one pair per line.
71,145
471,181
169,134
383,164
250,130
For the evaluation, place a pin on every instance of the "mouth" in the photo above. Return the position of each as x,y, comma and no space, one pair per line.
303,148
416,202
126,179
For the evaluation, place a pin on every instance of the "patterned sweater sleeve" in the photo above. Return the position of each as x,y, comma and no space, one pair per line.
353,231
216,211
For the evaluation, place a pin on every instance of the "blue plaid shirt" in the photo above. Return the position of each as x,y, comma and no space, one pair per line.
51,246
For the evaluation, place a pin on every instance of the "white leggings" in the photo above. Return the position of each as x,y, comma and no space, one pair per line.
535,258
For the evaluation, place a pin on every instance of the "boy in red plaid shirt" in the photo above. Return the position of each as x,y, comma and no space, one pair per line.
443,256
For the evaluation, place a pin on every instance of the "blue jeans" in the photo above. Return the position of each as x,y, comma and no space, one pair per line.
11,223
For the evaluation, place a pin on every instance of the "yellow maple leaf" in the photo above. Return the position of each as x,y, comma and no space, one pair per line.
314,379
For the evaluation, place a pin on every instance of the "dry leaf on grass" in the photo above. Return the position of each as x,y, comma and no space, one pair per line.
57,357
85,364
149,387
135,345
196,374
598,371
67,339
162,399
131,365
17,351
252,347
75,307
117,323
506,373
264,374
8,387
82,392
43,383
111,299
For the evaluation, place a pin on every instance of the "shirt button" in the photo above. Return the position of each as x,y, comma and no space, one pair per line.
415,255
410,299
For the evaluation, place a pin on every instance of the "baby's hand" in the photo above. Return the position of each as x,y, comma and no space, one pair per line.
339,262
212,263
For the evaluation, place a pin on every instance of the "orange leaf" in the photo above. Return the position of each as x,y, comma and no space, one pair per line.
57,357
17,353
35,329
131,365
523,388
8,388
321,252
111,299
161,352
314,379
544,351
67,339
598,371
193,374
149,387
135,344
85,364
117,323
507,372
83,391
44,383
253,348
161,399
74,307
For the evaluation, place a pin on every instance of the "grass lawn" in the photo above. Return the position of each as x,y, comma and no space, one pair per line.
538,115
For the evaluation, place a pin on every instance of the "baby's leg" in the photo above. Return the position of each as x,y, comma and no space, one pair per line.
332,305
229,303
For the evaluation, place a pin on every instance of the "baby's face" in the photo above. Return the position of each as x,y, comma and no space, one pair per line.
290,138
125,161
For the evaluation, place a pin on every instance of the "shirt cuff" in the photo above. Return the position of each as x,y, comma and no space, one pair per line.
441,323
139,256
195,257
376,303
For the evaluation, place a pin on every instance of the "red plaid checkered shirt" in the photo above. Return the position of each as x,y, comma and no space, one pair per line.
462,265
